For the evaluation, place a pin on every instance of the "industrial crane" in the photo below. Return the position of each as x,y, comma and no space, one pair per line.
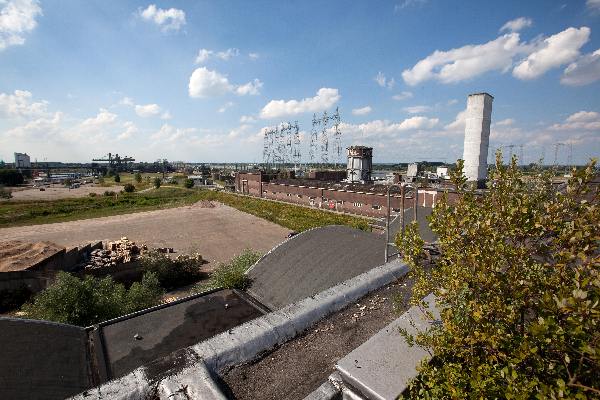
115,160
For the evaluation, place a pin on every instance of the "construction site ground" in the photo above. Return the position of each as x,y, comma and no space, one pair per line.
216,231
56,191
298,367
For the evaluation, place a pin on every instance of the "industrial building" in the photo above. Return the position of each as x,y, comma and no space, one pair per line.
22,160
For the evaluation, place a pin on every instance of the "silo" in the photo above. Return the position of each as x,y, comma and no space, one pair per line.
478,119
360,164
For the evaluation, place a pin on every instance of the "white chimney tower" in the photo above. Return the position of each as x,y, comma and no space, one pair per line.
478,119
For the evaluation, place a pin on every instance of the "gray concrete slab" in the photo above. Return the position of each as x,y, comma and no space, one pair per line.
42,360
424,230
168,329
382,367
313,261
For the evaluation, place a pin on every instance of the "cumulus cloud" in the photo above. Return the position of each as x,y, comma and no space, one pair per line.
168,133
17,18
253,56
500,54
583,71
362,111
582,120
402,96
203,56
379,127
206,54
227,54
458,125
516,24
147,110
324,99
209,83
225,106
126,101
466,62
383,81
247,119
555,51
408,3
168,20
417,109
593,5
250,88
104,117
20,104
505,122
39,128
129,130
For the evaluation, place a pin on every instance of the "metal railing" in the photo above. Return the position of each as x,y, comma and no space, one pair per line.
402,222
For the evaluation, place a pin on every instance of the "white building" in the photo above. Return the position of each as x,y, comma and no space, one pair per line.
22,160
442,172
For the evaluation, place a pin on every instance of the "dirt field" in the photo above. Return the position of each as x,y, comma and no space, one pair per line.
218,233
17,256
55,192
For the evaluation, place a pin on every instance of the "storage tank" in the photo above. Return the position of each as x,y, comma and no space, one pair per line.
360,164
478,119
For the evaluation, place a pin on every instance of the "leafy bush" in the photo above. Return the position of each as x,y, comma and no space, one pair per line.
157,182
518,288
109,193
91,300
188,183
92,194
5,193
137,177
13,299
232,275
129,188
172,272
117,178
10,177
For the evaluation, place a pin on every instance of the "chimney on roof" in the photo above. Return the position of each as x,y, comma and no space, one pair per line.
478,119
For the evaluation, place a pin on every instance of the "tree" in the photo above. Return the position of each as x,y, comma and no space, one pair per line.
10,177
518,288
157,182
117,178
188,183
129,188
138,177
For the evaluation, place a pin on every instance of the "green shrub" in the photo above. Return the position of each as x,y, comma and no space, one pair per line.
91,300
157,182
10,177
137,177
5,193
233,274
109,193
172,272
117,178
517,286
92,194
188,183
129,188
13,299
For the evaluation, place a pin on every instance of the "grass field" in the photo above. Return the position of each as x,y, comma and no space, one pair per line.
19,213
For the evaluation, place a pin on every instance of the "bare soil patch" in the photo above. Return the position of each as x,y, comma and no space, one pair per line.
55,192
16,255
299,366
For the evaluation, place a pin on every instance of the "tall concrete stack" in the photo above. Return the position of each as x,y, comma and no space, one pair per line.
360,164
477,137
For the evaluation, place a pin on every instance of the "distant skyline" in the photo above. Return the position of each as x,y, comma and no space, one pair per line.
199,81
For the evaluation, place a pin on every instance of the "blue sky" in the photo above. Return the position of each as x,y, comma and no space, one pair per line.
199,81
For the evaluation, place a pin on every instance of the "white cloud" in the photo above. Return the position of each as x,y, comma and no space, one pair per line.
466,62
408,3
207,83
505,122
362,111
417,109
254,56
378,128
458,125
250,88
103,118
168,133
582,120
126,101
17,17
383,81
203,56
19,104
451,102
130,130
148,110
517,24
402,96
247,119
166,115
171,19
557,50
593,5
40,128
325,98
225,106
227,54
583,71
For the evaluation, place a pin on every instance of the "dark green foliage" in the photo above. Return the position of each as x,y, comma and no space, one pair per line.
188,183
13,299
91,300
233,274
117,178
518,287
157,182
138,177
172,272
129,188
109,193
10,177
